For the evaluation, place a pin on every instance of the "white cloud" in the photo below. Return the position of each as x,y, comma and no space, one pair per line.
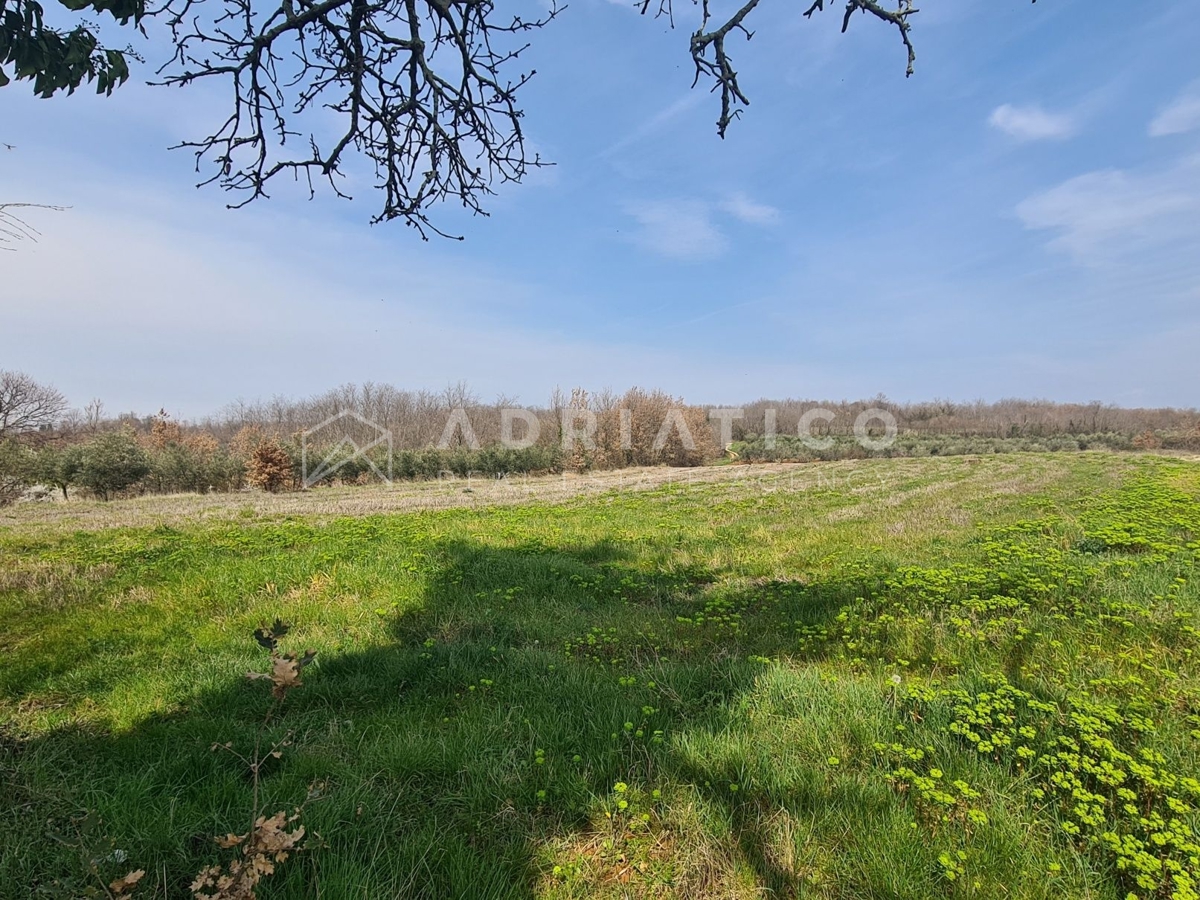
685,229
1181,115
1112,213
746,210
680,229
1031,123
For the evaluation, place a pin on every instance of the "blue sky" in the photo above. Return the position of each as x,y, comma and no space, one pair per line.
1019,218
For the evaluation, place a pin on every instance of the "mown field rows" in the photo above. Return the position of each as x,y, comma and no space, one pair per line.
961,677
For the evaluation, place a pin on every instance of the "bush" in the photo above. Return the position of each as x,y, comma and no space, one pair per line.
647,413
430,464
790,448
112,463
15,471
60,467
270,467
1147,440
196,464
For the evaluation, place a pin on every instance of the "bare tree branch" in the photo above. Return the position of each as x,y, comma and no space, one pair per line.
421,88
719,67
14,228
424,90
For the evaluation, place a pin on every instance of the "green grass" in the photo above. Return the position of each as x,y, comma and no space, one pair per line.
911,679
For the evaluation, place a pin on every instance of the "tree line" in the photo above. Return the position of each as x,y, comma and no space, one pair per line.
46,445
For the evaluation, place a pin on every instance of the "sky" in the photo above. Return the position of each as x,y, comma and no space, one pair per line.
1021,218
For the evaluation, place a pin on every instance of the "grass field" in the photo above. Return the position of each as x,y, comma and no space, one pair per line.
908,678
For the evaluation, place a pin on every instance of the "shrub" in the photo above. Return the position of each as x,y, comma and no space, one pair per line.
495,460
243,444
1147,440
60,467
196,463
164,431
15,471
647,411
270,466
112,463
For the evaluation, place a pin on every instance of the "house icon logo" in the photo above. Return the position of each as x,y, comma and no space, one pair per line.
339,440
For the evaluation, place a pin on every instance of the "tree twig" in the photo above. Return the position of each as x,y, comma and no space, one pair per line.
421,88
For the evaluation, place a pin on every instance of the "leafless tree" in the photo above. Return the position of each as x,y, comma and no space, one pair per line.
93,415
26,405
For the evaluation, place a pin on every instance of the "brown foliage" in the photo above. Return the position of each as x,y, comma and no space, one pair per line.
285,667
1147,440
204,445
164,431
648,428
124,886
242,444
580,458
261,848
269,466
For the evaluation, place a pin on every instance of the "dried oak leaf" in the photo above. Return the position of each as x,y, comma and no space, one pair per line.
124,885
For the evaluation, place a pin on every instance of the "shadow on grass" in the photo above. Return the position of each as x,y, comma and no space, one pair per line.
529,683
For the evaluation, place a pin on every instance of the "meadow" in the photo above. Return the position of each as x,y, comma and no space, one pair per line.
886,678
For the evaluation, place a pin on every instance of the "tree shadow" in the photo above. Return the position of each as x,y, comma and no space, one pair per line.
452,758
